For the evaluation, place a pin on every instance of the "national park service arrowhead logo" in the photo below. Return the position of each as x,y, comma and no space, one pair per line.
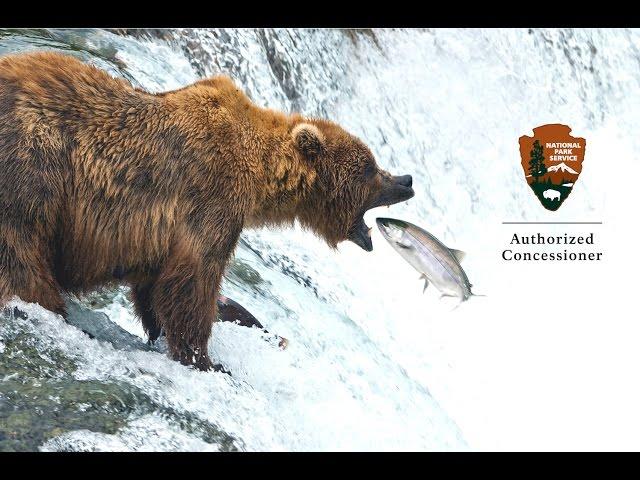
552,162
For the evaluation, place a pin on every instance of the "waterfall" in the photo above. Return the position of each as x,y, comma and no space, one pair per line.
373,363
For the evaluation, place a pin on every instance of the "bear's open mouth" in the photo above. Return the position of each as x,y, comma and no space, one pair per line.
360,234
394,190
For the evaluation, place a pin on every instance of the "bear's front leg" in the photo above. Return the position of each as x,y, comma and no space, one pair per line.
184,301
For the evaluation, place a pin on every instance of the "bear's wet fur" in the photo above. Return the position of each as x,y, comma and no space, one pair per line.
104,182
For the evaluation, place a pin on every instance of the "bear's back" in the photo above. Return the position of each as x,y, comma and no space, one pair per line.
48,74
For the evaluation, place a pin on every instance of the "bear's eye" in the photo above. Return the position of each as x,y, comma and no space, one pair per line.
369,170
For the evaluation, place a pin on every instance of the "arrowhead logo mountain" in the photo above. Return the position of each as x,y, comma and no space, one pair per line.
552,162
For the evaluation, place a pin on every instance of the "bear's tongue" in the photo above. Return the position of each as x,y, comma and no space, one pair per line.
360,234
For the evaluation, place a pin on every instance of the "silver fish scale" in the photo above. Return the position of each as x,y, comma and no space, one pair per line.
442,254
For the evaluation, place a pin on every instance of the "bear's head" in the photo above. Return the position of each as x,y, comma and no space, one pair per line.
348,183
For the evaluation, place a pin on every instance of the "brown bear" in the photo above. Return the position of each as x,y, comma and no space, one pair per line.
104,182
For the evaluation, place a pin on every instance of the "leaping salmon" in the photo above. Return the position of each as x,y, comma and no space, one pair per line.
437,263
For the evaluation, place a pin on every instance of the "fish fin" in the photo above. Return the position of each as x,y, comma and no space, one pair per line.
459,254
471,294
445,295
426,284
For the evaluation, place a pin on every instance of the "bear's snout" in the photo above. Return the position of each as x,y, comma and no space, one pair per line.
404,180
394,190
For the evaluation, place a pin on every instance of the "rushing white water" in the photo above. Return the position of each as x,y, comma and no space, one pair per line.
545,361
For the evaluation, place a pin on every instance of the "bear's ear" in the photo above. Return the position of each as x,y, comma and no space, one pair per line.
309,139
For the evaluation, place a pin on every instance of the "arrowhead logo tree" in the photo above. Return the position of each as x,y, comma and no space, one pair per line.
537,168
552,162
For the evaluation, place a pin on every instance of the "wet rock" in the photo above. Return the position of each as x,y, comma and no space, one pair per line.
354,33
242,273
41,399
99,298
97,325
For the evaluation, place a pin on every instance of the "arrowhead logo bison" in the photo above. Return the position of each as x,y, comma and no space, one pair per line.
552,162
